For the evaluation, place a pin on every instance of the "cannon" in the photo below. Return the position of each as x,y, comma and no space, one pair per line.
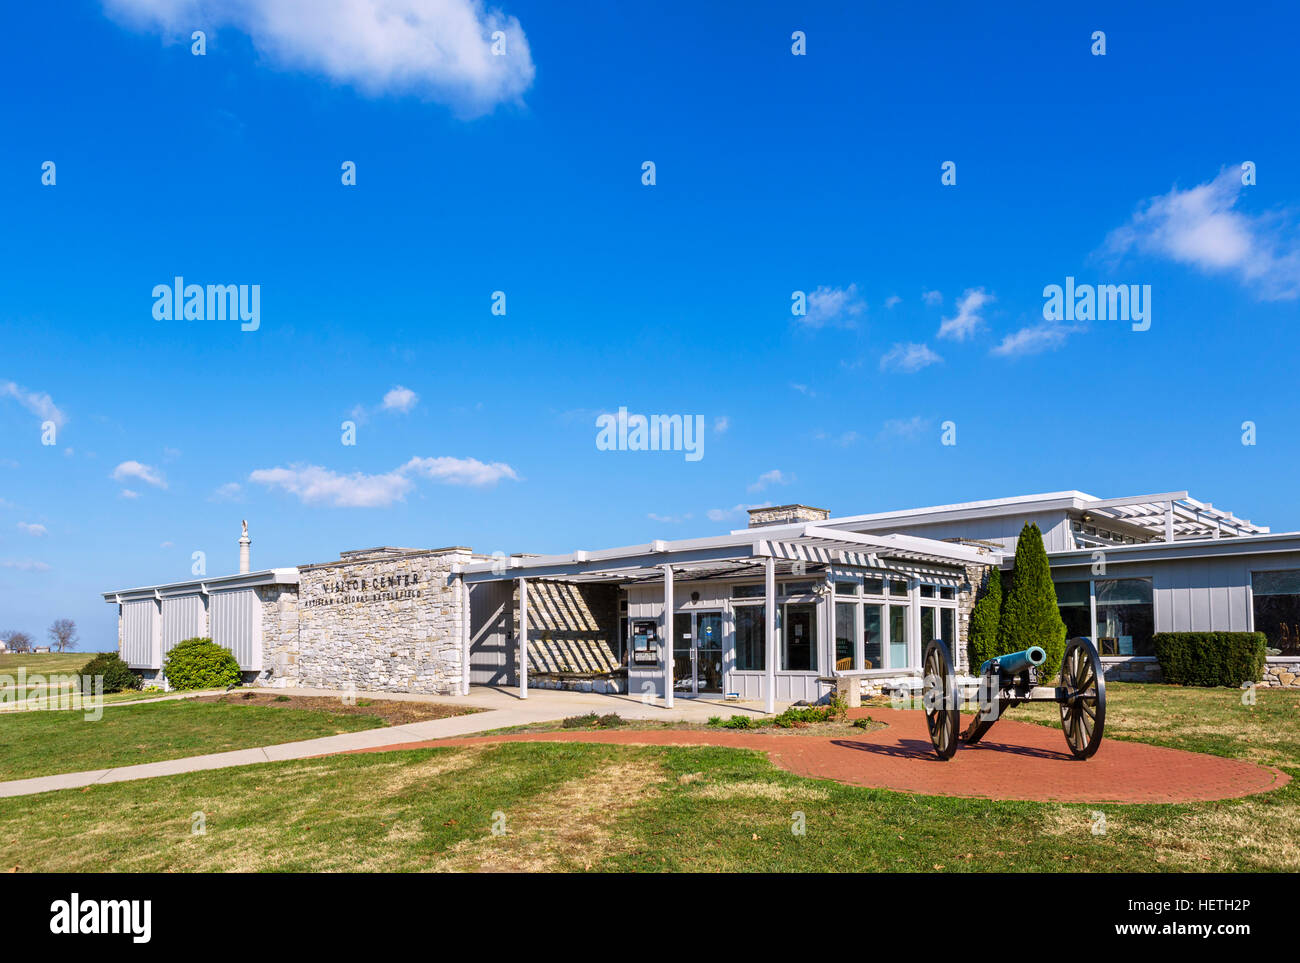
1009,680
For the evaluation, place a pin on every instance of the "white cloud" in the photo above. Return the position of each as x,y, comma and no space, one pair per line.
904,427
668,519
440,50
968,318
1200,227
837,306
721,424
773,477
803,390
908,358
128,493
315,485
134,469
229,492
24,564
167,545
461,471
1035,338
892,300
932,298
37,402
735,511
400,399
30,528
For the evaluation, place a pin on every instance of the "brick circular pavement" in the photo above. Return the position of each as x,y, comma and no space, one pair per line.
1016,760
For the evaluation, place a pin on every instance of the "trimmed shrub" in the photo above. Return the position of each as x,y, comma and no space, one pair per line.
1030,615
117,676
200,664
1211,658
982,639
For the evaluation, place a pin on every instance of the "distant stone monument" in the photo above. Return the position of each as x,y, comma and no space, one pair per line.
244,543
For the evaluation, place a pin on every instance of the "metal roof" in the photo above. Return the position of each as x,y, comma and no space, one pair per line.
721,555
1191,518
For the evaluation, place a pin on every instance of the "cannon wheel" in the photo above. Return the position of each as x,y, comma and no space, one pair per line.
1083,713
939,697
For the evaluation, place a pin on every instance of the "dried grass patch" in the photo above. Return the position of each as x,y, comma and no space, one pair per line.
570,827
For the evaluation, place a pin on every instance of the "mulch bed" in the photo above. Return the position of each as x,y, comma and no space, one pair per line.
393,712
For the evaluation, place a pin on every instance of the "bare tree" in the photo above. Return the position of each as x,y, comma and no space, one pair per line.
63,635
17,641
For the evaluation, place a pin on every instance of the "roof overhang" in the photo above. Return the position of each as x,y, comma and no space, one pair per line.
737,552
1272,544
1149,513
202,586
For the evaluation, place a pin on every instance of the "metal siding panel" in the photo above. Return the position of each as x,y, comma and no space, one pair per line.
237,626
492,655
182,618
139,630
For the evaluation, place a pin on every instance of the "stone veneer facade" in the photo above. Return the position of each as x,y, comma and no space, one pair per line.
387,619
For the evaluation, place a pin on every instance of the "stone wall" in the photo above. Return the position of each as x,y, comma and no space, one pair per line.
571,627
1283,673
785,515
279,634
385,619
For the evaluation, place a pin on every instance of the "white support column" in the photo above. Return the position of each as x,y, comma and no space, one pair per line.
1169,521
523,638
668,636
464,635
769,606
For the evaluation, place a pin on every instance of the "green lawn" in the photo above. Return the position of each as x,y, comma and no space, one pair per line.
44,663
577,807
47,742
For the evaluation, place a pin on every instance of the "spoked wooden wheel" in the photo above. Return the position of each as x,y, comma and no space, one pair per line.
939,697
1083,712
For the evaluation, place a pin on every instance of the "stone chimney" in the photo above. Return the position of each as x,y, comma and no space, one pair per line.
244,543
786,515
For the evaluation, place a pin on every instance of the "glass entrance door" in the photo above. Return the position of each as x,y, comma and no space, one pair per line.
697,652
708,652
683,653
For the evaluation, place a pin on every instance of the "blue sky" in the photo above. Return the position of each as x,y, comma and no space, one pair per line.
522,173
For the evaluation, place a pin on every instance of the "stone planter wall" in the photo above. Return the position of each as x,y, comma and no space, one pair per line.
1282,673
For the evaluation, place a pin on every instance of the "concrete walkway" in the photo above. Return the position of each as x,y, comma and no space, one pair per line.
502,709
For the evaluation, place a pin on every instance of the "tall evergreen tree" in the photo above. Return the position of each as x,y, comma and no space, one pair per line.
982,640
1030,615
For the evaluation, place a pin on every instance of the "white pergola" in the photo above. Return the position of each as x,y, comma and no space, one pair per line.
1172,516
736,553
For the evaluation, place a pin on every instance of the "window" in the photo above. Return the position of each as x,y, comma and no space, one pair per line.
847,588
1125,619
750,646
800,638
797,588
927,591
946,592
873,586
948,628
748,591
1075,602
871,639
898,636
1277,608
846,633
898,586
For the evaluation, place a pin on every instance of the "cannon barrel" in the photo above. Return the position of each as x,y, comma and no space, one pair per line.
1014,663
